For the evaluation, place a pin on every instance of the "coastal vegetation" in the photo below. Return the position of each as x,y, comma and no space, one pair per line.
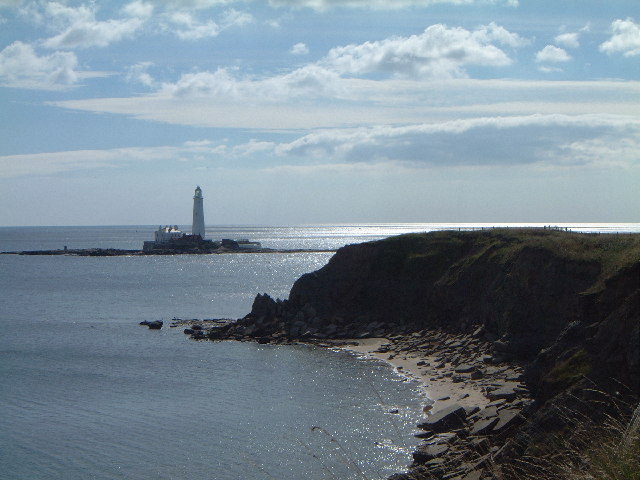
608,449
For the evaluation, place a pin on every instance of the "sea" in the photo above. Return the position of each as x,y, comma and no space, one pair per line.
88,393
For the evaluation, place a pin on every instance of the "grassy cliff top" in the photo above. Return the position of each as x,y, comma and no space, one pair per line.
612,252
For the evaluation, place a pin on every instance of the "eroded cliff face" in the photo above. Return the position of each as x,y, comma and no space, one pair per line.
524,295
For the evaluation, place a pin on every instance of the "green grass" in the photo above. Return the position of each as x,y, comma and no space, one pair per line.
567,372
586,450
609,452
612,252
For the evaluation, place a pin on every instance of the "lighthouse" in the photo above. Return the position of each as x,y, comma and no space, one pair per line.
198,214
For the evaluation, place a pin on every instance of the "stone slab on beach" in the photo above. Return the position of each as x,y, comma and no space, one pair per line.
425,453
449,418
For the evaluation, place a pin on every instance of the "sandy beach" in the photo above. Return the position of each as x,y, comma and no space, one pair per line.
446,380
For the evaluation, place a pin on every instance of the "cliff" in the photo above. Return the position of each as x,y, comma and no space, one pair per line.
523,287
564,306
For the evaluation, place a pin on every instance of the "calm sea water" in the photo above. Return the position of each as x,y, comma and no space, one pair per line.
86,393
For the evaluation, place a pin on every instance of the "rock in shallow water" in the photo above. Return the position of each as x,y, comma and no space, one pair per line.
153,325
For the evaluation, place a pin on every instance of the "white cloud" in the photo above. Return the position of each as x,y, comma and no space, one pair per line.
547,69
138,9
236,18
203,84
568,40
82,30
382,4
552,54
496,33
307,82
439,52
60,162
299,49
224,100
78,27
195,4
138,74
187,27
625,38
198,143
20,66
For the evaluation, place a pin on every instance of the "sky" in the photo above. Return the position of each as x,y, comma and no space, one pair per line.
319,111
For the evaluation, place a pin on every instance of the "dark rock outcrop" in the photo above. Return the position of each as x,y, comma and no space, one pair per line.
153,324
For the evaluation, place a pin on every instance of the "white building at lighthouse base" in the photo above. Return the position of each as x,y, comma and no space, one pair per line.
167,234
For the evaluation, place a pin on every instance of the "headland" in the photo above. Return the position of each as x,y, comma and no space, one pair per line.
525,337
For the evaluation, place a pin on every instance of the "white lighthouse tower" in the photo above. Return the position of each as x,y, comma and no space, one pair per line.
198,214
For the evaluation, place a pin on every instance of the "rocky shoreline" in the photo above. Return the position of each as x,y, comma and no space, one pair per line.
477,402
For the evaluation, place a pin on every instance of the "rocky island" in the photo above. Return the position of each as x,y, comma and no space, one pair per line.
208,249
540,328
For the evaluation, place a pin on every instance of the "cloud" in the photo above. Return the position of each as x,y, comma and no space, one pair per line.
226,100
299,49
382,4
608,150
11,3
552,54
82,30
547,141
138,9
439,52
20,66
625,38
321,5
307,82
547,69
79,28
568,40
52,163
535,139
139,74
236,18
195,4
187,27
